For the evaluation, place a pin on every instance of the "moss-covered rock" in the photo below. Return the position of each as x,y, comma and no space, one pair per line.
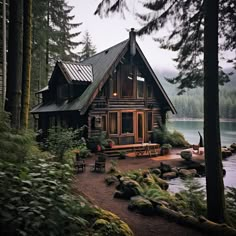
109,224
111,180
162,183
156,171
141,204
128,188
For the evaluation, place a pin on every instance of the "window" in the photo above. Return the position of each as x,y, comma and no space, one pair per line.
149,91
113,122
127,81
149,120
127,122
62,92
140,86
114,85
104,123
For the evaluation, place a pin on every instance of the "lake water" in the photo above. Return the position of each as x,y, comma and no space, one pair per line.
190,130
228,136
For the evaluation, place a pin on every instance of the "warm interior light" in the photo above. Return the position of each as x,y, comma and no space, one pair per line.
114,94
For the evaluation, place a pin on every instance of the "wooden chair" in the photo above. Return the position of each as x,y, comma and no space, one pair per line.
79,164
100,163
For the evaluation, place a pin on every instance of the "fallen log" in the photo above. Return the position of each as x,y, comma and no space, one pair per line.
201,223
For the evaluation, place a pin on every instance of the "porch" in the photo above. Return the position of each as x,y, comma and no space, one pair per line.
138,149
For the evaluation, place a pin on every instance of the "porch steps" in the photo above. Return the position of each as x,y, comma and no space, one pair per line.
116,152
138,149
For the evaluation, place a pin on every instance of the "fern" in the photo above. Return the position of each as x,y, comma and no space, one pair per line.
231,205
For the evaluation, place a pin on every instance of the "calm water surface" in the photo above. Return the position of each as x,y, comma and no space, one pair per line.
190,130
228,136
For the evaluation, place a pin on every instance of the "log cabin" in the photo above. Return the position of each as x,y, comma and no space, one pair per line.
115,91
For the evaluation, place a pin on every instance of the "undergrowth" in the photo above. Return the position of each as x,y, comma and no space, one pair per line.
36,197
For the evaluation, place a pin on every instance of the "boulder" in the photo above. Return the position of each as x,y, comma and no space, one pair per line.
118,194
187,173
111,180
128,188
233,147
164,167
141,204
169,175
186,155
156,171
226,152
175,169
162,183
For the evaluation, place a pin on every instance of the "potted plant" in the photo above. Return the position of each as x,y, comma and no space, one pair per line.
122,155
109,143
165,149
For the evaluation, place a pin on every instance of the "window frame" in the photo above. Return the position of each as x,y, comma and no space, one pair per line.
121,120
117,122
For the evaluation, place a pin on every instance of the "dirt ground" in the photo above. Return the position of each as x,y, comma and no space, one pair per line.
93,187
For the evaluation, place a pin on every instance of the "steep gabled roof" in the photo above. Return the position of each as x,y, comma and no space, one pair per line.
101,66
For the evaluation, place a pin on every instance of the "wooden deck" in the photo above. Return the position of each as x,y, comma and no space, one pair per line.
142,149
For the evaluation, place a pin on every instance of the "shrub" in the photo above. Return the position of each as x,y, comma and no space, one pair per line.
176,139
36,200
192,201
60,140
13,146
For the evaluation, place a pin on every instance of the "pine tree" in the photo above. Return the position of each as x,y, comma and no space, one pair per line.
52,38
88,48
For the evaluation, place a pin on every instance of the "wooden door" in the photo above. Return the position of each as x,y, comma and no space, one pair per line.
140,127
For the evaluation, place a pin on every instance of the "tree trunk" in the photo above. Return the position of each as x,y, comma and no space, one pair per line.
47,41
14,65
214,175
26,73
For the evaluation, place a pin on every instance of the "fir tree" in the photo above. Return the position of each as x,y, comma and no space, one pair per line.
88,48
52,38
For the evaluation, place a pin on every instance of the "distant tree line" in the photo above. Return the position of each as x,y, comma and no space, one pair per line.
190,104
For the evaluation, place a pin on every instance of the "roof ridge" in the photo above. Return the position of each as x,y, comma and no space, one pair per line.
104,50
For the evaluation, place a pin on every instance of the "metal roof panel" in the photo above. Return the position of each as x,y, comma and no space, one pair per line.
78,72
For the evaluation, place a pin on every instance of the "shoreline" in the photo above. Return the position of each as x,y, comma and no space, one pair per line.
200,119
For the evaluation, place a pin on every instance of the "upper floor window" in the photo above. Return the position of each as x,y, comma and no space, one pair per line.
114,84
140,86
127,81
62,92
149,91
